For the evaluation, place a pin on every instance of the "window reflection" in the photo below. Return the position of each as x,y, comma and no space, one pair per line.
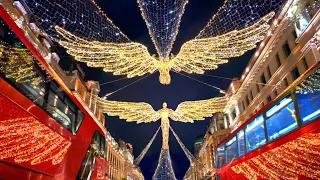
19,67
281,119
231,149
308,97
96,148
241,143
255,136
220,156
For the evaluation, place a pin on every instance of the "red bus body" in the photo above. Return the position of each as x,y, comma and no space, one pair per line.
69,167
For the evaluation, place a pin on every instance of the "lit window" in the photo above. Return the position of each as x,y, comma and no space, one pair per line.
301,24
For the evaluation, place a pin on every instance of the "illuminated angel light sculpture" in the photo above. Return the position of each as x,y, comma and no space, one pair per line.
142,112
196,56
91,37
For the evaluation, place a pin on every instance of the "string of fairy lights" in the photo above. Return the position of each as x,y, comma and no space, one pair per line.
27,140
106,47
145,150
164,168
82,17
238,14
18,64
163,20
90,36
288,161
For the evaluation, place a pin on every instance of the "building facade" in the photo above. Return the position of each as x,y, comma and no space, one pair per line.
284,55
120,161
204,167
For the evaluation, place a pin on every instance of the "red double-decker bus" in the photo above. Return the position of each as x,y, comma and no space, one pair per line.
281,141
45,132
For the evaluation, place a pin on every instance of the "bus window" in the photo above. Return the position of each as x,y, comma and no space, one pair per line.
255,136
308,97
96,148
231,149
220,156
241,144
281,119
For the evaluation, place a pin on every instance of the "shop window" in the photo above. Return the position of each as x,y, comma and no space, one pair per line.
281,119
255,135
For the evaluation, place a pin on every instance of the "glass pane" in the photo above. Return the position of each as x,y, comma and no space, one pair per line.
308,97
221,158
282,119
79,120
54,107
232,153
255,136
241,145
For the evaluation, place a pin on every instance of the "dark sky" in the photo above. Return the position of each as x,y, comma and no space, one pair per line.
127,16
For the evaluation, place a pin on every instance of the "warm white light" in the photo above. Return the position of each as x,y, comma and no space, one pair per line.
247,69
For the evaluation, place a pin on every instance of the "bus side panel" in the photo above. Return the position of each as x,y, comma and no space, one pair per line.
12,172
70,165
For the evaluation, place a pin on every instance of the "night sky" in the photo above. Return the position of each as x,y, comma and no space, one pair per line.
127,16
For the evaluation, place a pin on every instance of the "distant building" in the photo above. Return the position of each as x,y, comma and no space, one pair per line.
197,145
205,147
120,158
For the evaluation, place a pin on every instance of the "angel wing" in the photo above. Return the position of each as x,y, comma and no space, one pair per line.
131,59
197,110
130,111
202,54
